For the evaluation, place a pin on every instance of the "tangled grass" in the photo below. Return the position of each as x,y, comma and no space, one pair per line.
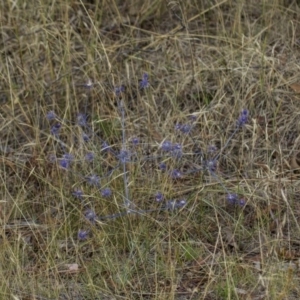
65,68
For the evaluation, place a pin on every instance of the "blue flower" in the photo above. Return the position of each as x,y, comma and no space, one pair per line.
124,156
166,146
211,165
55,129
232,198
90,215
51,115
78,194
184,128
85,137
66,160
65,164
89,156
82,234
135,141
119,90
106,192
93,179
105,147
144,83
242,202
175,174
243,118
177,150
172,204
162,166
68,157
81,120
159,197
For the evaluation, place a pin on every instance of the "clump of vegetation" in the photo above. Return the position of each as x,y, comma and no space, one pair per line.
149,150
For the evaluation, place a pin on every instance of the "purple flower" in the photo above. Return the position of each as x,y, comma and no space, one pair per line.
172,204
93,179
119,90
51,115
167,146
85,137
175,174
106,192
66,160
177,150
232,198
90,215
144,83
242,202
243,118
55,129
105,147
124,156
68,157
177,126
135,141
82,234
65,164
159,197
89,156
211,165
78,194
162,166
82,120
184,128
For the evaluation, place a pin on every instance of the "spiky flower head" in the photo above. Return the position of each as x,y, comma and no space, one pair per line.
119,90
82,234
106,192
93,179
55,129
243,118
66,160
184,128
51,115
167,146
90,215
159,197
89,156
144,83
176,150
175,174
78,194
124,156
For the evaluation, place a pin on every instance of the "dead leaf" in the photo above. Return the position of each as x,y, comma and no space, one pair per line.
295,87
70,269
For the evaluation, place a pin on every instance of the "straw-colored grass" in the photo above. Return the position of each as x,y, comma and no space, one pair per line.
207,58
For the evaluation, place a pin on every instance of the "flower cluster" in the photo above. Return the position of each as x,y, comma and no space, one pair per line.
126,153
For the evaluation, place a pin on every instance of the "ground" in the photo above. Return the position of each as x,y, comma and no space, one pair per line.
126,172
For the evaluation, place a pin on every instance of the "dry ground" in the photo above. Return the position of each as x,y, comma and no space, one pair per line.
208,58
